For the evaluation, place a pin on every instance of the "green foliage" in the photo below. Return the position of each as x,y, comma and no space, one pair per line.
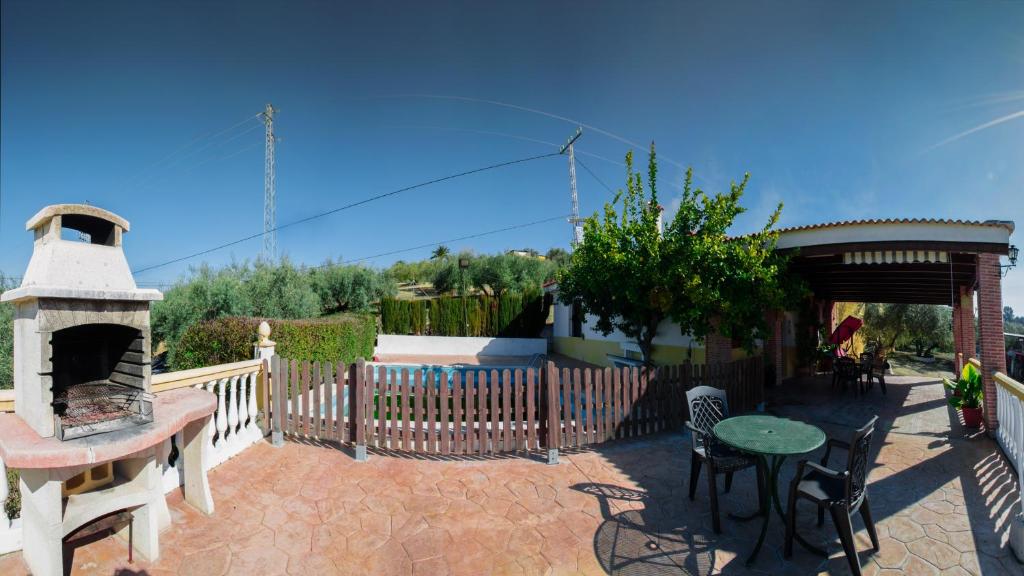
6,337
440,253
924,326
503,273
266,290
632,276
403,316
449,278
413,272
558,256
350,288
509,315
339,338
968,391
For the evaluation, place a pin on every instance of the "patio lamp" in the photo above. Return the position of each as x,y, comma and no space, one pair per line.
1011,254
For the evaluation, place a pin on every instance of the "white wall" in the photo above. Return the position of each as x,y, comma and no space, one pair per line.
459,346
668,331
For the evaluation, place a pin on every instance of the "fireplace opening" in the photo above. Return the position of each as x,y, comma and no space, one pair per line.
98,380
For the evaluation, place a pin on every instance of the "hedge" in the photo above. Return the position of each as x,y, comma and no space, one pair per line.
341,338
510,315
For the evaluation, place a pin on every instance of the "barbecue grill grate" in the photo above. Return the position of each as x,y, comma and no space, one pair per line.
100,401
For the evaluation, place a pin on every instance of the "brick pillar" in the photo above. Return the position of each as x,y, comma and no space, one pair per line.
990,331
774,350
958,348
717,348
967,323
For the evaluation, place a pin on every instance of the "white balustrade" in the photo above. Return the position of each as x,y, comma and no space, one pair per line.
1010,435
243,405
222,415
253,427
232,406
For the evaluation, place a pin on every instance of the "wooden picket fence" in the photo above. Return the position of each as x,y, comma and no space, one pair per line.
482,412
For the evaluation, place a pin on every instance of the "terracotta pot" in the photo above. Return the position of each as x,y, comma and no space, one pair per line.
972,417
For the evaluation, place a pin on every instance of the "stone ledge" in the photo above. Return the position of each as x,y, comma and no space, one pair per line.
21,447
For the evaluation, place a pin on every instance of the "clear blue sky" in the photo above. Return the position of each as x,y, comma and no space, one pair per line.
841,110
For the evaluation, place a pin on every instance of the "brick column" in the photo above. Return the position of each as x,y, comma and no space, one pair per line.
990,331
958,347
967,323
717,348
776,345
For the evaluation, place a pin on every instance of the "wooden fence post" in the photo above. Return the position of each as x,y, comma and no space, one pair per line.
276,411
554,427
358,421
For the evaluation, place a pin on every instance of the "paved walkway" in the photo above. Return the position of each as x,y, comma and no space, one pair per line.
942,501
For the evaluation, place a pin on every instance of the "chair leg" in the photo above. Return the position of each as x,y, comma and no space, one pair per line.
841,518
790,520
713,493
881,382
695,462
762,488
728,481
869,523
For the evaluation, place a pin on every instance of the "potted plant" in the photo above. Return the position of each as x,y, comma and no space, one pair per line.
967,395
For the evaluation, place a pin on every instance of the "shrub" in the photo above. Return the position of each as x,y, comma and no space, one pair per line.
341,338
6,338
510,315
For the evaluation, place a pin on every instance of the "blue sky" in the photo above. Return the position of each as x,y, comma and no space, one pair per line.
839,110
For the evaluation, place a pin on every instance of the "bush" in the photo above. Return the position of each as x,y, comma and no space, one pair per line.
6,338
510,315
340,338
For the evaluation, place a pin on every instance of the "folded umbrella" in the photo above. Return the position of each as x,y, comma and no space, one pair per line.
845,330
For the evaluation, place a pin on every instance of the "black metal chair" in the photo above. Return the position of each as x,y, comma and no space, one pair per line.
843,493
846,373
708,406
871,368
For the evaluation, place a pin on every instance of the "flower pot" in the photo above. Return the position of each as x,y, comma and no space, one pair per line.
972,417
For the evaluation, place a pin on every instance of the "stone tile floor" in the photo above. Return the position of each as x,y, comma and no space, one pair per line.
942,500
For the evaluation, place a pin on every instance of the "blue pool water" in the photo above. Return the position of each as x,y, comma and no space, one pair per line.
442,374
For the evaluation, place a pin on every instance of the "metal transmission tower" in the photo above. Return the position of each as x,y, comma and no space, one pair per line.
269,197
574,220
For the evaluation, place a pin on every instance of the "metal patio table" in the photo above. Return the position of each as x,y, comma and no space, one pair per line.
764,436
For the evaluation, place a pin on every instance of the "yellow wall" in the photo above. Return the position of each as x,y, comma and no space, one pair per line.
844,309
596,351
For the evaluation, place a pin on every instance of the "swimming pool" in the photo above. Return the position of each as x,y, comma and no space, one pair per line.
442,374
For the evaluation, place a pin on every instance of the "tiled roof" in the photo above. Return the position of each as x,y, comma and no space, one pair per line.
997,223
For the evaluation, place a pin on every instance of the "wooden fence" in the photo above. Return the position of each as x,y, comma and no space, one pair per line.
481,412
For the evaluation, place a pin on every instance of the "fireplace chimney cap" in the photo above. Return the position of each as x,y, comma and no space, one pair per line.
47,214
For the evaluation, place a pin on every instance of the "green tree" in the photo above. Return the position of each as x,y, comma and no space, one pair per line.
885,324
6,337
928,327
449,278
350,288
1007,314
440,253
503,273
558,256
631,276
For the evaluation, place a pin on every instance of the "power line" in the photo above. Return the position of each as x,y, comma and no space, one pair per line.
187,146
459,239
403,250
591,172
347,207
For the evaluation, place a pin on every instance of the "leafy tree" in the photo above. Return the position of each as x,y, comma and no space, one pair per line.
344,288
440,253
928,327
885,324
503,273
558,256
1007,314
6,337
632,277
449,278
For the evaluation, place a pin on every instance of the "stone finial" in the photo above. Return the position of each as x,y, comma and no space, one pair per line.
264,331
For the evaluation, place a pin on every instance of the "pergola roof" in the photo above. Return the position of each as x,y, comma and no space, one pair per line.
914,261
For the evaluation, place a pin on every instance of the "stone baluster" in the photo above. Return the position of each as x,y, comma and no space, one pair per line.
232,406
243,403
222,416
211,430
5,491
253,409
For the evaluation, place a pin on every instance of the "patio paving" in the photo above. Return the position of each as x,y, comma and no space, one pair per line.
942,500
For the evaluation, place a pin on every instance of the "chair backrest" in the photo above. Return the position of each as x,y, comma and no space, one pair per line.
859,460
708,406
845,366
867,358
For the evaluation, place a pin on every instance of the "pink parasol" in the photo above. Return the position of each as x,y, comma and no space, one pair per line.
845,330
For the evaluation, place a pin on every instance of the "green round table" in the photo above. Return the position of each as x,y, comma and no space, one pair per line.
765,436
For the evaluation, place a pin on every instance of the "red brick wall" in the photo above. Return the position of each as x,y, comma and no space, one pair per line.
967,323
990,330
958,347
